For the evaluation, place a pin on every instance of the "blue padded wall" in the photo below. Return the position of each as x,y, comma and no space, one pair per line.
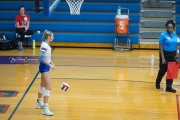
94,25
122,1
71,27
178,9
178,17
178,1
102,7
178,29
14,5
85,17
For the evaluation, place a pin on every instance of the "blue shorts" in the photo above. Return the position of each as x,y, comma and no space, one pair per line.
43,68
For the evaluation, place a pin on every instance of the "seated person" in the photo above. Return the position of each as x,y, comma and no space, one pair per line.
22,26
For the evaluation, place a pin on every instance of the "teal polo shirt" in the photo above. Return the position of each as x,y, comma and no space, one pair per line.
169,42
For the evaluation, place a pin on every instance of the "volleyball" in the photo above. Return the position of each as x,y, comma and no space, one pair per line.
65,86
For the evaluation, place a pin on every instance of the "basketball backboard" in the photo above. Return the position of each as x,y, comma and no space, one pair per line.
48,6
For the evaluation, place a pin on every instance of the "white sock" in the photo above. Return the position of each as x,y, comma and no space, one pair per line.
39,99
46,104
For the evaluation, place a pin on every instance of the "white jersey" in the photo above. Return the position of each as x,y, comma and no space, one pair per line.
47,49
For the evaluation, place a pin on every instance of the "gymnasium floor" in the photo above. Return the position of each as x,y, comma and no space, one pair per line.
105,85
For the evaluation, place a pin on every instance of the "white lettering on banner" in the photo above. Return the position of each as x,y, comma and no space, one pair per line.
19,59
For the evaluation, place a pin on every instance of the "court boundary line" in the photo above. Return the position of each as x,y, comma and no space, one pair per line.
177,98
114,80
23,96
177,103
27,90
105,66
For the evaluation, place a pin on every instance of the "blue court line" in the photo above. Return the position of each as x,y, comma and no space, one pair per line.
25,93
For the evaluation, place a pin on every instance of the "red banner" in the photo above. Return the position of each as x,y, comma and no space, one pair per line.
172,70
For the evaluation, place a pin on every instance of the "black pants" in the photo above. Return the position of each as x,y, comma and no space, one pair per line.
21,32
169,57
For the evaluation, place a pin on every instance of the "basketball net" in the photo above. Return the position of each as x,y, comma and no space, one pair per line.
75,6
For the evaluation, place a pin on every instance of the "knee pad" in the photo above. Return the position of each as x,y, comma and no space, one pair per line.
47,92
41,89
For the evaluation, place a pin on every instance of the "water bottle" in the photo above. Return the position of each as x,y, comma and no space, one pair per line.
152,59
33,44
119,11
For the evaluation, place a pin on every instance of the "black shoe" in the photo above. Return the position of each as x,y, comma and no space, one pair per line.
157,86
170,89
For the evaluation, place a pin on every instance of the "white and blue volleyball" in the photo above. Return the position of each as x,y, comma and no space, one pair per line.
65,86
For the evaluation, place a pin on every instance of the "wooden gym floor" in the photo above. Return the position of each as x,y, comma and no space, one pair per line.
105,85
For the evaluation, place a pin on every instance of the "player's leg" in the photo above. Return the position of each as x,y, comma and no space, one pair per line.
41,89
47,83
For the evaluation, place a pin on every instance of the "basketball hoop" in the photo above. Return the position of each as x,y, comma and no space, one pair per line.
75,6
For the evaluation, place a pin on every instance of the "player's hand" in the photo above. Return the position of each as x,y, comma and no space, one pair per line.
177,56
52,66
52,63
163,61
177,59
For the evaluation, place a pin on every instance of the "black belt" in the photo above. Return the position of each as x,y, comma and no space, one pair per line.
168,51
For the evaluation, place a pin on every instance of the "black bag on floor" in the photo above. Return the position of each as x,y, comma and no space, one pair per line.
6,43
